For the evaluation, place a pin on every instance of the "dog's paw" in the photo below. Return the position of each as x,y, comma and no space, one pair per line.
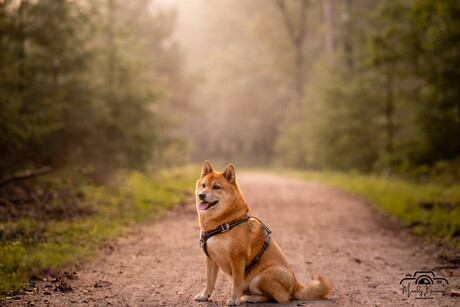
233,302
254,299
201,297
251,300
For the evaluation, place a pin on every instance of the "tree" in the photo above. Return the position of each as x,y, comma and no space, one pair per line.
81,84
296,30
329,41
36,77
418,43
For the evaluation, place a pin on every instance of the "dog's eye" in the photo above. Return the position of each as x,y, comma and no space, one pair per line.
216,187
203,185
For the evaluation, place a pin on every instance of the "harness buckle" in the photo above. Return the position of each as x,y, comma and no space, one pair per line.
225,227
267,240
203,238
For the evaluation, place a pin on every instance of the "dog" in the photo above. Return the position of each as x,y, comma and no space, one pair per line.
242,247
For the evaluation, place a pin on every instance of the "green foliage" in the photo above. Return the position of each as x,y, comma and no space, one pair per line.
36,75
418,41
42,248
292,148
386,99
437,25
349,135
430,208
86,83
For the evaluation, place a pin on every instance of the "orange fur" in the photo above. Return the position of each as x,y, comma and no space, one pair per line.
272,277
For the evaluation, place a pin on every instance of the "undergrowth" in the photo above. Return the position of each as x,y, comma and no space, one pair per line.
39,246
428,207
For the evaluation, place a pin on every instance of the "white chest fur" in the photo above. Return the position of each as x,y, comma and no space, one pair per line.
219,247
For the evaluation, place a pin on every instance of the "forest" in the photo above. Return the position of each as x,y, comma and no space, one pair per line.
99,98
88,84
362,85
370,86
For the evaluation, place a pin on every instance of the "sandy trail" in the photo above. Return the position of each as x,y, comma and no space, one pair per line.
321,230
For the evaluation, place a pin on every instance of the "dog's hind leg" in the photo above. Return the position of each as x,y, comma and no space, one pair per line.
273,283
276,290
255,299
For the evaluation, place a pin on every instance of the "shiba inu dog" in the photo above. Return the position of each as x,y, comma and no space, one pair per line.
241,246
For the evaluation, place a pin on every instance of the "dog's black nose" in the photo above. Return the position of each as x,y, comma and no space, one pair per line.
202,196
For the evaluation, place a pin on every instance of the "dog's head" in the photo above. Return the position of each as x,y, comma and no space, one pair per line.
218,194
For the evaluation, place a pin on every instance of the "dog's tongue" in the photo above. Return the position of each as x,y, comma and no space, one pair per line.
202,205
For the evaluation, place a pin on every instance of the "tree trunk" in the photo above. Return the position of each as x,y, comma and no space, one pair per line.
458,100
111,54
328,30
348,45
297,36
21,47
299,75
389,113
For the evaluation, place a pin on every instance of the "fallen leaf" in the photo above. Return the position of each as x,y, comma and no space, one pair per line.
63,287
101,283
454,293
71,275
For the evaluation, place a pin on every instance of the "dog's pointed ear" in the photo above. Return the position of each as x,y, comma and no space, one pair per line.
230,173
207,168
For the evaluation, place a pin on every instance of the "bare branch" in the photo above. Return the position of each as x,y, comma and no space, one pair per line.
296,31
302,22
287,20
297,37
26,174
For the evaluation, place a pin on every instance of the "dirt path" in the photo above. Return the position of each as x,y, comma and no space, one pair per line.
321,230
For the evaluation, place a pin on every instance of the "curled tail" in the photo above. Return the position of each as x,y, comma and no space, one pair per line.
314,290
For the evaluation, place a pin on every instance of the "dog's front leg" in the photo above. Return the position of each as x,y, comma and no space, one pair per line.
211,276
238,280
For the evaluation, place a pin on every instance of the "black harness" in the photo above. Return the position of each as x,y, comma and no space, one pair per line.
205,235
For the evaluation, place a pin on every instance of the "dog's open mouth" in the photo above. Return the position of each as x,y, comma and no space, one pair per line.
204,205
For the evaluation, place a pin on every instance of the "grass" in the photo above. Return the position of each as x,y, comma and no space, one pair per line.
46,247
429,208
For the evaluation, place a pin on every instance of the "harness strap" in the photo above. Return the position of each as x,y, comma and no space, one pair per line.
261,252
263,225
205,235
